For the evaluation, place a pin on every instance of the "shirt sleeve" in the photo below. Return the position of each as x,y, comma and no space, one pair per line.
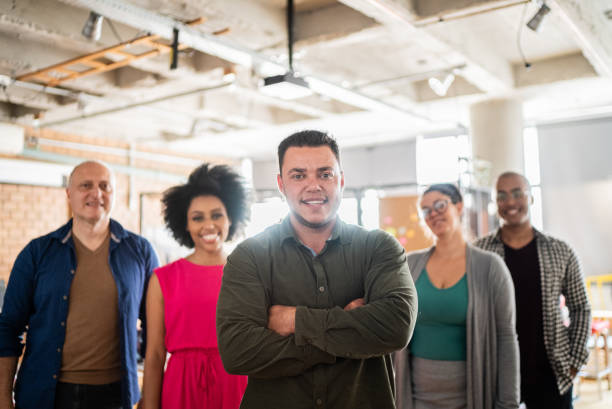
383,325
17,305
579,309
508,383
151,263
246,345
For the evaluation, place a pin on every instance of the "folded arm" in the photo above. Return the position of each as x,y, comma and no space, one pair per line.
246,344
382,325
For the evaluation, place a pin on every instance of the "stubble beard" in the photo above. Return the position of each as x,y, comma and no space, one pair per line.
320,225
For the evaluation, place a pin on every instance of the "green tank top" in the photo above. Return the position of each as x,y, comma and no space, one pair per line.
439,333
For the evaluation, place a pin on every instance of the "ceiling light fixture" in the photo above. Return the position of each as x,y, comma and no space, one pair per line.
441,87
536,21
92,29
288,85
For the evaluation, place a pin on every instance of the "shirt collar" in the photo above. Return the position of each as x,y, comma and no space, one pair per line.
338,232
64,233
537,234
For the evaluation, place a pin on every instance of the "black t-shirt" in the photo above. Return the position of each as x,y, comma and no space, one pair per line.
524,267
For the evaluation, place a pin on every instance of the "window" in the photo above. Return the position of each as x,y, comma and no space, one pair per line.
531,153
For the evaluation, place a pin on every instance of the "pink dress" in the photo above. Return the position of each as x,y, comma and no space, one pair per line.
194,377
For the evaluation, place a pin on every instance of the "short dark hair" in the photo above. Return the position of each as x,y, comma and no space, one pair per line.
447,189
220,181
308,137
511,173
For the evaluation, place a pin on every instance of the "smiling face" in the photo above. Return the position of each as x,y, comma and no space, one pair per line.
513,200
441,220
91,193
312,183
208,224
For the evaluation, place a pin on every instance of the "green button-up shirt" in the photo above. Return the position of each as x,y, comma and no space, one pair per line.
336,358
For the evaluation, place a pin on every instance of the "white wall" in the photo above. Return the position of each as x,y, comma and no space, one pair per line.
576,179
383,165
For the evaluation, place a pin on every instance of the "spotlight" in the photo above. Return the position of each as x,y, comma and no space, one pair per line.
93,26
538,17
441,87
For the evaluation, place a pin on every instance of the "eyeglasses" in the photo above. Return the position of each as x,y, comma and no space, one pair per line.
516,194
439,206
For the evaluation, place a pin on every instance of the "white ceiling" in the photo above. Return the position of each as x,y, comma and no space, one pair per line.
373,56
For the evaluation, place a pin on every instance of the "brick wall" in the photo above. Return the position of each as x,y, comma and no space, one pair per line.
27,212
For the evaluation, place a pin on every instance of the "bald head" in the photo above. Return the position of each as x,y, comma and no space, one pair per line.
91,192
513,199
90,163
514,175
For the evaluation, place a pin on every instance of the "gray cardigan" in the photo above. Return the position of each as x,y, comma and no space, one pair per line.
492,361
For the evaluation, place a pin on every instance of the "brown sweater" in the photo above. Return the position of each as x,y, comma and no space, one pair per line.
91,350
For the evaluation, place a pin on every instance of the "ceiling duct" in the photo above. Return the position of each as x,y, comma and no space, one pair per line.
163,26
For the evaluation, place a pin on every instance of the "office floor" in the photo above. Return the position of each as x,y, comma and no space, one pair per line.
588,397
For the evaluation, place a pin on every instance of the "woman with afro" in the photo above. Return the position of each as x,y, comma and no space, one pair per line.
182,296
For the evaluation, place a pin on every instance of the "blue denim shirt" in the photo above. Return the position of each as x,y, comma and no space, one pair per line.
34,302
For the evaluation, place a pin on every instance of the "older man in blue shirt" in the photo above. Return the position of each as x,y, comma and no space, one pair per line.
77,294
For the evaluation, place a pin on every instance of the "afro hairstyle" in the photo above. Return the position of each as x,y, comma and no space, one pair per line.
206,180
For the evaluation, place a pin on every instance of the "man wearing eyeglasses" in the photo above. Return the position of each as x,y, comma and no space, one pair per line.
543,269
76,292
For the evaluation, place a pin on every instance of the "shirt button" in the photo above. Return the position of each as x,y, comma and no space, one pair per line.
62,323
71,271
322,289
59,349
54,376
65,297
319,401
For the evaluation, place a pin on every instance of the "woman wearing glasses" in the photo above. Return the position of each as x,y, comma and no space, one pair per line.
464,351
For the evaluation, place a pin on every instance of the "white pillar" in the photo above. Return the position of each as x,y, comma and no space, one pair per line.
496,128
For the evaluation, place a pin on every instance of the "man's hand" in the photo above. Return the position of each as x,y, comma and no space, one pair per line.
281,319
356,303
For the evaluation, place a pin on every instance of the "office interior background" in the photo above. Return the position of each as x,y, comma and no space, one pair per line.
415,91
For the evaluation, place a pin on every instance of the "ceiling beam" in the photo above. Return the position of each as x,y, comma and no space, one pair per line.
433,10
226,49
487,72
592,30
327,23
556,69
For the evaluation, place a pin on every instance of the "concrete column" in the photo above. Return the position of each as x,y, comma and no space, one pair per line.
496,128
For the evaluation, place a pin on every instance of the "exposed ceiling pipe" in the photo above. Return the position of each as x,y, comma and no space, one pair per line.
163,26
134,105
73,160
115,151
7,81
